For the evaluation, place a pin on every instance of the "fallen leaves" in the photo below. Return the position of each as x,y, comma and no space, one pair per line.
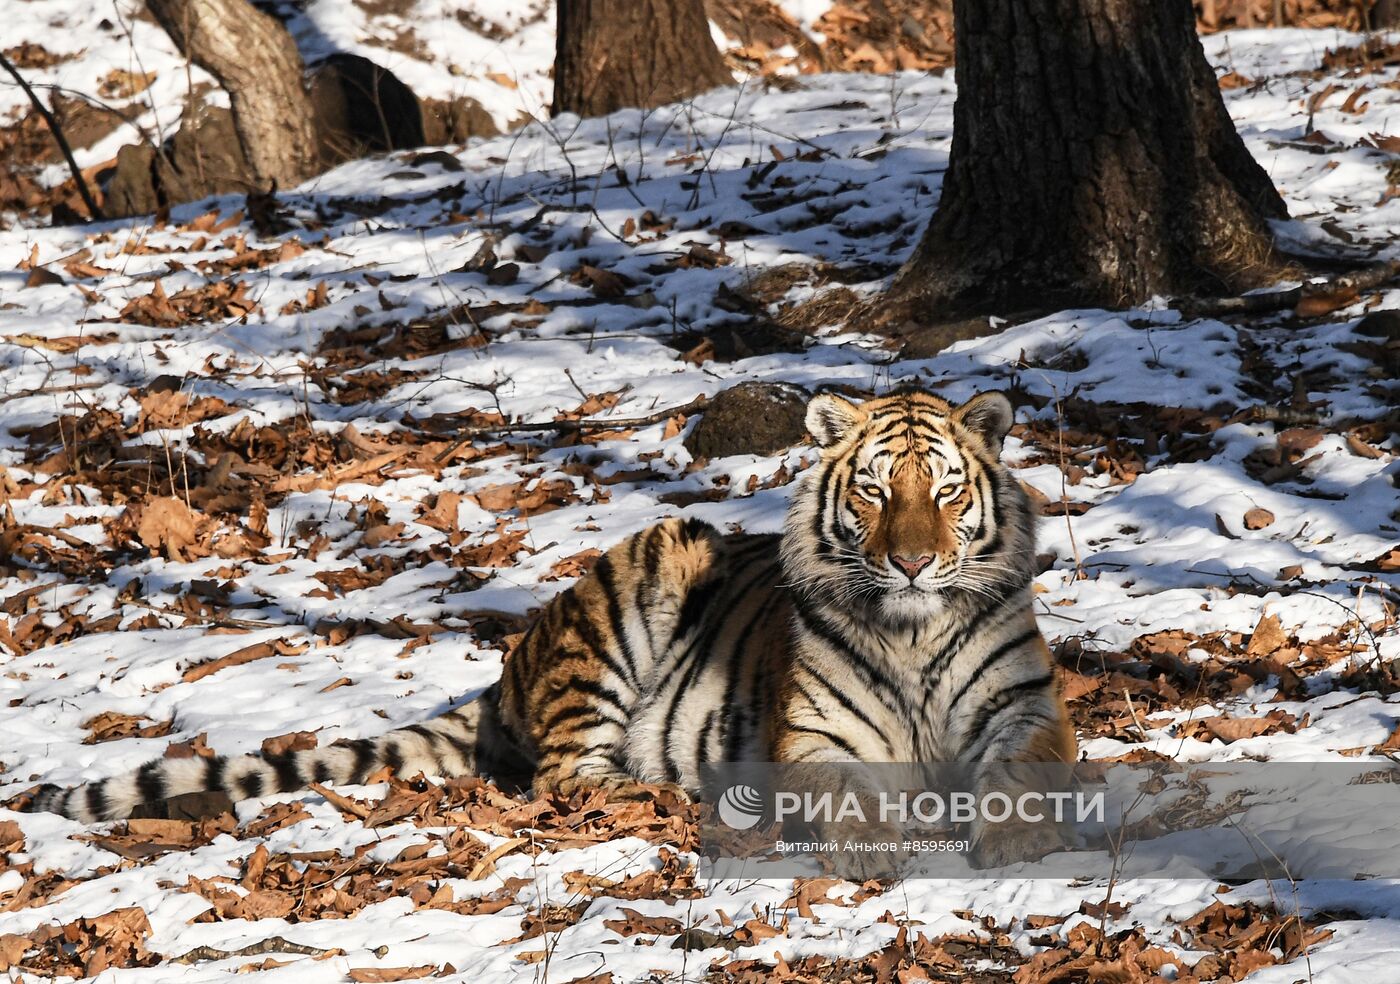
216,301
442,513
258,650
151,837
167,525
575,565
1268,636
603,283
122,84
1237,939
1173,669
1232,729
86,947
161,409
296,741
114,725
42,277
11,837
1388,562
634,923
542,496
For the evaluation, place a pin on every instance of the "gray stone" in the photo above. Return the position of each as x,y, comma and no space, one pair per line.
751,418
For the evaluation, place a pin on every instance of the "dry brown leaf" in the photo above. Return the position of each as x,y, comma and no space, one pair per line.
1229,729
442,514
197,746
111,725
1257,519
167,525
1268,636
266,904
42,277
499,551
259,650
575,565
1313,305
635,923
1388,561
11,837
1361,449
12,950
296,741
604,283
1391,744
377,536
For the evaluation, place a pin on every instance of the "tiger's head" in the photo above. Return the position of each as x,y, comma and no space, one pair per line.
908,506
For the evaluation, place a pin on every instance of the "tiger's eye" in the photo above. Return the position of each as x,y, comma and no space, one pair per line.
872,491
951,494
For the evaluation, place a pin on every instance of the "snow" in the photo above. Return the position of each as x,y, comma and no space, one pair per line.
859,172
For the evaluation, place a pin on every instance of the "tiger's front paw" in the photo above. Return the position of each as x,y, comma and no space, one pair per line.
864,851
635,791
621,788
996,845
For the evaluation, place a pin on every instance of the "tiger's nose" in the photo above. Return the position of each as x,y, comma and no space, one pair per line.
911,566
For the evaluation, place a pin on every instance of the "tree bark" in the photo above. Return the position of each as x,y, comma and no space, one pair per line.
1385,14
1093,163
615,53
256,61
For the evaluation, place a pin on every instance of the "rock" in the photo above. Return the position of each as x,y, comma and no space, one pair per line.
362,108
131,189
751,418
203,158
441,158
1380,324
453,121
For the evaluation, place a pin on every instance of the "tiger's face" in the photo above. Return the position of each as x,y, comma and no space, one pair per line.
908,503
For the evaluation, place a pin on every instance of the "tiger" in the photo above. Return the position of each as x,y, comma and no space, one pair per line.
890,621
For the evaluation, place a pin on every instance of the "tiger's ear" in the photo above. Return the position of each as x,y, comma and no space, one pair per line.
989,416
830,418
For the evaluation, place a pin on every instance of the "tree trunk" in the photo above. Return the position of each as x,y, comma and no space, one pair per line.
1384,15
256,61
615,53
1093,163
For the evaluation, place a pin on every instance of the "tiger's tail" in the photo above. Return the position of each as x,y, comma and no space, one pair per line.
455,744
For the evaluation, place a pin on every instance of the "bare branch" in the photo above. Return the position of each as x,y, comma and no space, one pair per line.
93,211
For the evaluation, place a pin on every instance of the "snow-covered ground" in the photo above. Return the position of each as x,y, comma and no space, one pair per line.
256,413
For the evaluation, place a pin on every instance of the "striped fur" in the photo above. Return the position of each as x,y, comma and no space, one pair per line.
891,621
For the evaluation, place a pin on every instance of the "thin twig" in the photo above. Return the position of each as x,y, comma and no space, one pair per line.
45,390
1132,712
571,426
93,211
219,621
273,944
1367,278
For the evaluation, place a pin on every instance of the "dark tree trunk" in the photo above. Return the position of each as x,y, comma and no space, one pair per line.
256,61
615,53
1385,14
1093,162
